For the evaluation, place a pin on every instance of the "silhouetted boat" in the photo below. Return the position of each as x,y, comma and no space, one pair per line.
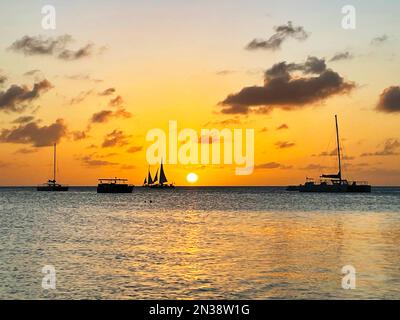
52,185
114,185
157,183
335,182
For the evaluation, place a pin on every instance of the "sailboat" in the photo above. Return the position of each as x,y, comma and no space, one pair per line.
52,185
158,182
334,182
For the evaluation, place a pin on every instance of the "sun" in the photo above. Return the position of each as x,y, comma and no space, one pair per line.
192,177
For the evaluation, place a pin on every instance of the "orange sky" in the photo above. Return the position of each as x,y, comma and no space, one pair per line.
179,62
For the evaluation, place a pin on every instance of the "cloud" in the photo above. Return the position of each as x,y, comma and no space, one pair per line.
82,77
390,148
313,166
272,165
3,79
283,90
342,56
57,47
32,133
265,129
117,101
115,139
23,119
90,161
39,45
26,151
135,149
282,33
107,92
79,135
224,72
13,98
389,100
70,55
106,115
283,127
81,97
379,40
284,144
32,72
225,122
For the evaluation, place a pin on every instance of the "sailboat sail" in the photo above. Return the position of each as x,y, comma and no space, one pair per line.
149,178
163,178
145,181
156,177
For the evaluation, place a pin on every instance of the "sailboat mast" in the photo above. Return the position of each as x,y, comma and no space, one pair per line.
54,163
338,148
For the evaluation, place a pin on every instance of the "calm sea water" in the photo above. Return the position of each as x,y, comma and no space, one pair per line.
199,243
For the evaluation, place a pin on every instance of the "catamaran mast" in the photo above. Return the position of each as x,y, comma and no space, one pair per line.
338,148
54,163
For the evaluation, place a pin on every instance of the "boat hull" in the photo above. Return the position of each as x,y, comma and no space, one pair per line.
114,188
320,188
52,188
159,186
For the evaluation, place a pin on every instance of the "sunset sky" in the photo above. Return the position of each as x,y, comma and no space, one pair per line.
112,70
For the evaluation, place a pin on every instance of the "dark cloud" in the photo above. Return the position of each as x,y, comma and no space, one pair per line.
390,148
3,79
32,133
265,129
107,92
284,144
282,33
106,115
79,135
342,56
39,45
272,165
284,90
23,119
135,149
379,40
57,47
115,139
71,55
389,100
117,101
283,127
13,99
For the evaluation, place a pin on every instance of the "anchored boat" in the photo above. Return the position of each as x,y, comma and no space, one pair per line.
52,185
334,182
114,185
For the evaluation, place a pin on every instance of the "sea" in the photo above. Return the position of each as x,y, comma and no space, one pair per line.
199,243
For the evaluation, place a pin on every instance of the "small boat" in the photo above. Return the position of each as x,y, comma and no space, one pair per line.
114,185
334,183
157,183
52,185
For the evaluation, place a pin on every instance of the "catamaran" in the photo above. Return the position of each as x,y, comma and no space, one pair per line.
333,182
52,185
157,183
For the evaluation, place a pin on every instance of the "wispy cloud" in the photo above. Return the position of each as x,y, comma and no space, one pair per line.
282,33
